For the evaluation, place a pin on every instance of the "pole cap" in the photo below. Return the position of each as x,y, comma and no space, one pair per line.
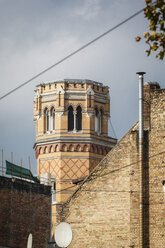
141,73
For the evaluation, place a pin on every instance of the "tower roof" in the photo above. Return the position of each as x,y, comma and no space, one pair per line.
80,81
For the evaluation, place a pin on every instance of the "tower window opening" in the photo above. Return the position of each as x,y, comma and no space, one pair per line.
89,99
70,119
79,118
101,121
52,119
96,120
37,103
59,98
46,120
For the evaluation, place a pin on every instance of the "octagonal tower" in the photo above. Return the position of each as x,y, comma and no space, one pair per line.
71,118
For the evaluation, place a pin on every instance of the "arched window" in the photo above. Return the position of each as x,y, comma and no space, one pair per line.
78,118
59,98
96,120
101,121
46,120
89,99
52,119
70,119
37,103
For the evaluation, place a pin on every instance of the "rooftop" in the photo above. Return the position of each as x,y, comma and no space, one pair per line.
72,81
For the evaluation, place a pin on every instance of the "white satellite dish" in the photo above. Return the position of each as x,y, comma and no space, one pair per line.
29,243
63,234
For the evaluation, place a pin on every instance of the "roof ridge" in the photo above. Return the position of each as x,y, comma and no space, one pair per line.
133,128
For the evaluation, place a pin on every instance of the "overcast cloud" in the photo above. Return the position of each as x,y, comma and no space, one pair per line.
36,34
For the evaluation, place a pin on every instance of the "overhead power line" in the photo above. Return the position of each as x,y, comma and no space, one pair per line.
90,175
72,54
113,130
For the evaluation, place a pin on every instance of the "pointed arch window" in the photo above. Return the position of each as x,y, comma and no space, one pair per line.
52,119
101,121
96,120
59,98
89,99
70,119
78,118
46,120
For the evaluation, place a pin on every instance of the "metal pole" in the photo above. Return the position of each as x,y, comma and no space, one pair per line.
12,157
49,167
51,227
140,158
2,162
12,164
140,107
21,168
29,168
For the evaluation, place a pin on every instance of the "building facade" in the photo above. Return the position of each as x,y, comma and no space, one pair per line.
71,118
25,208
106,210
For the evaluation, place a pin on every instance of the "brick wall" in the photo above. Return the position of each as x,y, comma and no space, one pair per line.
157,169
24,208
104,212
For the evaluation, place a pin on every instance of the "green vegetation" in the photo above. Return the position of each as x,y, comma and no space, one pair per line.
155,37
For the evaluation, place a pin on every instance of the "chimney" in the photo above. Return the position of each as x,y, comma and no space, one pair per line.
148,89
140,109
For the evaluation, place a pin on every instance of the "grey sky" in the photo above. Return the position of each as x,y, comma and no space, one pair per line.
36,34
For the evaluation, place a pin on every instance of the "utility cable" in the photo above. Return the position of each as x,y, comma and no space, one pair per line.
113,130
112,171
72,54
87,178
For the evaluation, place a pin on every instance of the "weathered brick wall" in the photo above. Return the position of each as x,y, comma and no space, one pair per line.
99,213
157,170
104,212
24,208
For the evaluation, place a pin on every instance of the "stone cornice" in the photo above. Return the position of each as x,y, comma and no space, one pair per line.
110,142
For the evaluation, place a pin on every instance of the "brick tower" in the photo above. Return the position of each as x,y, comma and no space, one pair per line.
71,118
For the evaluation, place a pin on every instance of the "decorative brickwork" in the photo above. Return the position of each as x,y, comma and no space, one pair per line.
68,147
65,168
